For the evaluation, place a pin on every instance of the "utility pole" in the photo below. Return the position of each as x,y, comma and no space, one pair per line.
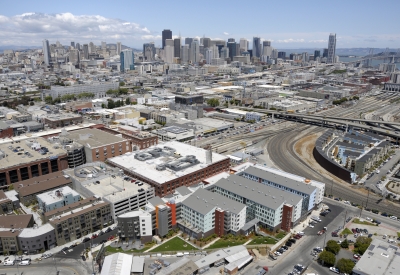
332,188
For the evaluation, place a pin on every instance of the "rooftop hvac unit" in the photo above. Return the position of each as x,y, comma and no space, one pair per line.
208,156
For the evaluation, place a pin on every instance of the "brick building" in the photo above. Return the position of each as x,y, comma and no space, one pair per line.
11,227
62,120
172,165
29,158
5,130
139,140
79,106
100,145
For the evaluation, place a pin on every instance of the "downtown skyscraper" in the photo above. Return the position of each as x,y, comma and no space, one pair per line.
166,34
256,46
46,52
331,49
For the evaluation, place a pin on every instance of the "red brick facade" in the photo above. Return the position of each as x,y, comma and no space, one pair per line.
287,213
219,222
5,133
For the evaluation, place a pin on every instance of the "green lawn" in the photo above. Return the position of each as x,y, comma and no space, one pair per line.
398,234
363,222
263,240
346,231
280,235
175,244
226,243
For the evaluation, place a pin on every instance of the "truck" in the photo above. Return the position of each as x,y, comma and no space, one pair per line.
316,218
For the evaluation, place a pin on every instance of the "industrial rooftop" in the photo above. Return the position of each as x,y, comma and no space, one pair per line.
166,161
94,138
26,151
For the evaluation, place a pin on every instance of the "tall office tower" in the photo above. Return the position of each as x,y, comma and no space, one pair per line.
256,46
58,44
78,46
282,55
195,51
92,48
185,54
206,42
74,56
325,53
244,44
305,57
331,48
73,44
232,49
231,40
188,41
177,47
127,60
46,52
209,55
85,51
267,49
149,51
274,53
169,51
166,34
215,51
317,54
224,53
103,45
119,47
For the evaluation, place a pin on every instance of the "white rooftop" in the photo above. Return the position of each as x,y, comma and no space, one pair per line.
117,264
53,196
147,169
36,231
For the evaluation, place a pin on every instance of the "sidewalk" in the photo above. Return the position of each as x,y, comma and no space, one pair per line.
57,249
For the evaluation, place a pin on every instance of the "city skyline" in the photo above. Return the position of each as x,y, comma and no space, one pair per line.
29,24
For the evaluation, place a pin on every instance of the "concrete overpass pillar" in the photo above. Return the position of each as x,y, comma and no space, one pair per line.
347,128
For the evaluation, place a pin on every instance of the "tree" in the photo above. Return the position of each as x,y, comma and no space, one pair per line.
213,102
345,265
111,104
327,258
345,244
103,105
48,99
362,244
127,101
121,83
333,247
31,103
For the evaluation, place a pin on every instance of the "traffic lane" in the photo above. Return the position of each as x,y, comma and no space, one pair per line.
336,210
383,171
77,250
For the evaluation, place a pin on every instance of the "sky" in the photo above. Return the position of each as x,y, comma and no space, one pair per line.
287,24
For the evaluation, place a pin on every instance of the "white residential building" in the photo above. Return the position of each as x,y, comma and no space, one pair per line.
57,198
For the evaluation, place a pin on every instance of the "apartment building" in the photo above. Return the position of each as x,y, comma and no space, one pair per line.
99,89
57,198
287,182
74,224
61,120
263,202
204,213
135,225
11,227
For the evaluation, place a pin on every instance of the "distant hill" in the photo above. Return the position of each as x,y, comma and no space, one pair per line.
339,51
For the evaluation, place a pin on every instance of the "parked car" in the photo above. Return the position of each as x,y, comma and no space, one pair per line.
334,269
25,262
86,240
273,257
9,262
108,230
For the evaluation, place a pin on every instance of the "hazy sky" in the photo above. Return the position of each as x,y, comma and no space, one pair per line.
288,24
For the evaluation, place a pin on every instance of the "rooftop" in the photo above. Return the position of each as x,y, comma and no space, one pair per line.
63,116
41,183
183,266
70,207
12,225
36,231
204,201
268,196
106,183
282,178
117,264
170,153
27,151
77,212
57,195
381,258
94,137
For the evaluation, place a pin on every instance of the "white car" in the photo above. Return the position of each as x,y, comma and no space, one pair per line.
25,263
334,269
277,253
9,262
310,225
393,218
368,219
